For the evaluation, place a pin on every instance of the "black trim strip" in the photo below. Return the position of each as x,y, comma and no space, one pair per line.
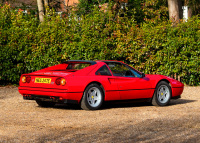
46,75
130,100
177,87
42,87
48,98
129,89
50,91
68,101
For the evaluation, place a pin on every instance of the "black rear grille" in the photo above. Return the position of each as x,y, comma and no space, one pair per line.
43,98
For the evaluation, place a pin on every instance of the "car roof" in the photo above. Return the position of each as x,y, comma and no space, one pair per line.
80,61
91,62
114,61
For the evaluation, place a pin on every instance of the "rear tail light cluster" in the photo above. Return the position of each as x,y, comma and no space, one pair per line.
60,81
26,79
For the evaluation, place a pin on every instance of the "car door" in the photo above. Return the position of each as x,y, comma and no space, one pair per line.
109,84
130,83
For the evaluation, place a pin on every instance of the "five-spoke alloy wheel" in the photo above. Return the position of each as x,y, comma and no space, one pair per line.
162,94
92,98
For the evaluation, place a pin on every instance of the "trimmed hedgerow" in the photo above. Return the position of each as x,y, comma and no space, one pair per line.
155,46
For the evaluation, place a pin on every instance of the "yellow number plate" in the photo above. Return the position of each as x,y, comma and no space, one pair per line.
43,80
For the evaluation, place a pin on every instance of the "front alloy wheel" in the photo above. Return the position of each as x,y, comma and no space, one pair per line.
162,94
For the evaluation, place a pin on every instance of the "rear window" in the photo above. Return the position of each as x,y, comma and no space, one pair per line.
77,66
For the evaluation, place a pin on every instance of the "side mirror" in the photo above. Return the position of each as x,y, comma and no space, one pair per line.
143,75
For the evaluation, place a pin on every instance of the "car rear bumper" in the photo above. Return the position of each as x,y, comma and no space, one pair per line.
49,98
46,93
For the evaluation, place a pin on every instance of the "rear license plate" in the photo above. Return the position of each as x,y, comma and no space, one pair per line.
43,80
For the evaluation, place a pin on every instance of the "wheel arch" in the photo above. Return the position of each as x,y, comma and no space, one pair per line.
95,82
165,81
158,83
153,99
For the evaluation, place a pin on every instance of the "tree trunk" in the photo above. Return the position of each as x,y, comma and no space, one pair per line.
2,2
180,4
189,12
186,3
67,6
64,5
41,10
173,6
46,3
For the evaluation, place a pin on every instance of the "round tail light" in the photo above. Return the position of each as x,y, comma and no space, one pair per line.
60,81
23,79
63,82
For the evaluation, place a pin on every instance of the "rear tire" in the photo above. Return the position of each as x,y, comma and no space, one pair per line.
45,103
162,94
92,98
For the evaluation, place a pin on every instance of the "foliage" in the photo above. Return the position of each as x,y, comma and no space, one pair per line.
154,46
86,6
147,9
139,9
195,5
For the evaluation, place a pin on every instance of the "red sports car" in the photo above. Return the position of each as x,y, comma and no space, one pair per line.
90,83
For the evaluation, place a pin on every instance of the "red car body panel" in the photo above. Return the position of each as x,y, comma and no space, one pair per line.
115,87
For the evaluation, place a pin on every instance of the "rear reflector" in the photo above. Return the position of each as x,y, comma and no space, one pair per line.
58,81
28,79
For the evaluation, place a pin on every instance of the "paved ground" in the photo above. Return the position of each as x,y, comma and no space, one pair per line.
24,121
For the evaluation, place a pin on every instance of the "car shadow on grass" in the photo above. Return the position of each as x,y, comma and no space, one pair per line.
67,106
180,101
122,104
129,104
106,105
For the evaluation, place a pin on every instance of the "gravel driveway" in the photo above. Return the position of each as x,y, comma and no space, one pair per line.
23,121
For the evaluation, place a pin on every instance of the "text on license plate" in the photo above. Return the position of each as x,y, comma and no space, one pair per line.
43,80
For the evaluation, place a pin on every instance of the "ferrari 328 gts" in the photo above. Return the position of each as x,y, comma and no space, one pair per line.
90,83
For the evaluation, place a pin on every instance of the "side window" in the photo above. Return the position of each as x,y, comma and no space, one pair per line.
103,71
119,69
136,73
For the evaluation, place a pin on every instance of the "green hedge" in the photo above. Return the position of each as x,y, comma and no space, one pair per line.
155,46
